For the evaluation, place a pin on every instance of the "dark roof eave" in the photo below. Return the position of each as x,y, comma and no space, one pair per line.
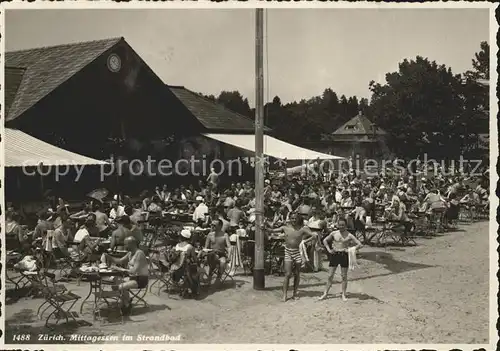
234,131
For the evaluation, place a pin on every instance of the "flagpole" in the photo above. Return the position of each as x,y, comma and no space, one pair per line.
258,271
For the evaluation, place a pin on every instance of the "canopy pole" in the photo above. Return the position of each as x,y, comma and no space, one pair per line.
258,271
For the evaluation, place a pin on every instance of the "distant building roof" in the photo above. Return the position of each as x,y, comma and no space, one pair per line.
45,69
359,125
213,116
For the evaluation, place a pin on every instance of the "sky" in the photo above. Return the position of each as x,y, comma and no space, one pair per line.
308,50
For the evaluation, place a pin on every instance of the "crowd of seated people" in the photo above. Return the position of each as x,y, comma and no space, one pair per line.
224,210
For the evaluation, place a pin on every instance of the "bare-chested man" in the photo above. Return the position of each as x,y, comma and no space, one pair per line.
294,233
337,244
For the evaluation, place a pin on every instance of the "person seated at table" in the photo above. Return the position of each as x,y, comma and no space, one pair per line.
398,213
434,201
83,238
181,194
146,201
281,216
136,232
43,225
220,214
186,262
328,203
14,230
101,220
60,237
424,187
228,201
304,210
240,190
200,212
235,216
346,200
419,205
156,205
137,269
165,194
482,191
81,215
471,198
117,241
117,210
178,196
135,214
217,241
275,193
453,210
125,229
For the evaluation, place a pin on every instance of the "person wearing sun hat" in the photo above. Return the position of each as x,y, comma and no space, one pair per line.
201,210
185,265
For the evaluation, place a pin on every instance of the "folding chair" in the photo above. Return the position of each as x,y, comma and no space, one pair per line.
436,222
137,296
399,236
276,258
469,214
215,272
158,272
101,296
247,256
37,280
58,299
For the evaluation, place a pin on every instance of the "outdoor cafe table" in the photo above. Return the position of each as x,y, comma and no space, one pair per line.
95,279
116,253
386,231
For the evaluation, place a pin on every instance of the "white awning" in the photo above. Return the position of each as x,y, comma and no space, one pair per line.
23,150
272,147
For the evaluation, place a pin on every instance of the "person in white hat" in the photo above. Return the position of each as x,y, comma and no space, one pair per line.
201,211
116,209
185,266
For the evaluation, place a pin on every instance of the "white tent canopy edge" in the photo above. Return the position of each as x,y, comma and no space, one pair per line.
272,147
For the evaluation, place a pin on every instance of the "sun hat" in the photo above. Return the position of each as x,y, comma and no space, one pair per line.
199,198
186,233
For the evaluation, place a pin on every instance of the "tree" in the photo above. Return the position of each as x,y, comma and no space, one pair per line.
481,63
475,95
363,105
296,122
353,106
420,107
234,101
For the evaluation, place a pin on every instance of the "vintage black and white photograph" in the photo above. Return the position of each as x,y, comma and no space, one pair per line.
249,176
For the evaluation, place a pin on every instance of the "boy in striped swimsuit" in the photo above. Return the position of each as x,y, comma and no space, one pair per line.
294,232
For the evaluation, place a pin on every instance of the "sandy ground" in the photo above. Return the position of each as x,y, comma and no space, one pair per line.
436,292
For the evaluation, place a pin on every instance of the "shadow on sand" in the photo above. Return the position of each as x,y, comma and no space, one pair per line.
384,258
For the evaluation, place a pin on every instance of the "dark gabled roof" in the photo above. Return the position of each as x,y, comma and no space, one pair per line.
359,125
213,116
47,68
13,79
